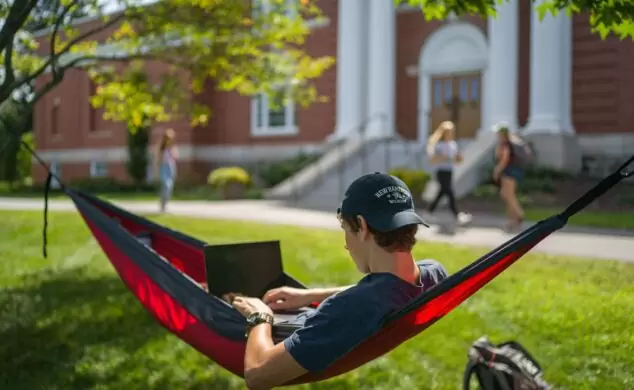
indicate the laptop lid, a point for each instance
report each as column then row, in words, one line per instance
column 250, row 268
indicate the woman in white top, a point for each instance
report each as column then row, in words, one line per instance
column 166, row 159
column 443, row 152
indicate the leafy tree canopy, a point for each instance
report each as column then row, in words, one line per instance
column 226, row 42
column 606, row 16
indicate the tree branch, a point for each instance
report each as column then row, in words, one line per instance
column 18, row 14
column 125, row 58
column 53, row 57
column 9, row 74
column 58, row 23
column 46, row 88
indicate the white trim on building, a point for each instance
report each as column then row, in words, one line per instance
column 551, row 74
column 453, row 48
column 267, row 121
column 56, row 169
column 98, row 168
column 216, row 153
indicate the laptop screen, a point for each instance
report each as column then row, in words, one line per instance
column 250, row 268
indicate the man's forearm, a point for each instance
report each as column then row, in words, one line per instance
column 319, row 294
column 259, row 341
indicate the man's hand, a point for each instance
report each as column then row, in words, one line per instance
column 287, row 298
column 248, row 305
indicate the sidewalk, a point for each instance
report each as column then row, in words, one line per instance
column 483, row 232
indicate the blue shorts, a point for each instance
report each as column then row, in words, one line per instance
column 514, row 173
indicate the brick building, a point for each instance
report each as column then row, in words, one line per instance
column 400, row 74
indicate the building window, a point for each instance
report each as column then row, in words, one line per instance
column 464, row 90
column 55, row 116
column 56, row 170
column 92, row 111
column 269, row 118
column 448, row 91
column 475, row 90
column 98, row 169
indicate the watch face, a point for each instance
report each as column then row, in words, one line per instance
column 256, row 318
column 251, row 320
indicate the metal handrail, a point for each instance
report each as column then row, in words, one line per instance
column 357, row 134
column 335, row 145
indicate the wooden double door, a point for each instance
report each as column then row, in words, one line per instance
column 457, row 97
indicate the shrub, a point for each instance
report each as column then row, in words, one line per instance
column 416, row 180
column 274, row 173
column 220, row 177
column 24, row 157
column 626, row 199
column 138, row 157
column 547, row 173
column 486, row 191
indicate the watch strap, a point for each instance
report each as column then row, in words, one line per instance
column 257, row 319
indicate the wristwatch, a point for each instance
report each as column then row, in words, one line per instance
column 257, row 319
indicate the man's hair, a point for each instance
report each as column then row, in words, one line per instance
column 399, row 240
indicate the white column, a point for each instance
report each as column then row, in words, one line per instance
column 548, row 77
column 566, row 36
column 350, row 61
column 382, row 66
column 501, row 76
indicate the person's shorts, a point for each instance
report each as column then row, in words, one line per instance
column 514, row 173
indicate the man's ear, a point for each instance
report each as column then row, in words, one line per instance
column 364, row 231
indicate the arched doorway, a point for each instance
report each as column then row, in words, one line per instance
column 452, row 64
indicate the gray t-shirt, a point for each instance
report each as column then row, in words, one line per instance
column 446, row 149
column 346, row 319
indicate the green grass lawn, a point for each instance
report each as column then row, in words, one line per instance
column 67, row 322
column 191, row 193
column 589, row 218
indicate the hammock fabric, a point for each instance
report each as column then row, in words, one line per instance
column 165, row 277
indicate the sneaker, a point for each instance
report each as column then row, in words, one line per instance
column 514, row 226
column 464, row 218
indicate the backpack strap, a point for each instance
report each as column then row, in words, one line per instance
column 489, row 377
column 468, row 373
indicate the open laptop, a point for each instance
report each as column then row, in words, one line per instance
column 250, row 268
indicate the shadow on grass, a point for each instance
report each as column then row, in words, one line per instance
column 66, row 330
column 69, row 331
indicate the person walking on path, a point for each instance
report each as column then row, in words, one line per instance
column 508, row 173
column 166, row 156
column 443, row 152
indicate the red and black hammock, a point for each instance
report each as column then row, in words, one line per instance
column 165, row 277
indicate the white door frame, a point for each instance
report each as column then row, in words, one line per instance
column 453, row 48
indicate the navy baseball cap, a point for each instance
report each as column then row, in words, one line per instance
column 383, row 200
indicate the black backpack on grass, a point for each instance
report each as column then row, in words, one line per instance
column 506, row 366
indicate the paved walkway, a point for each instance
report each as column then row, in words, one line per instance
column 595, row 243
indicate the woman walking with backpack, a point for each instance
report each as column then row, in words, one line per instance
column 443, row 152
column 508, row 172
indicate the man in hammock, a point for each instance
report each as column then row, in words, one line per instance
column 380, row 224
